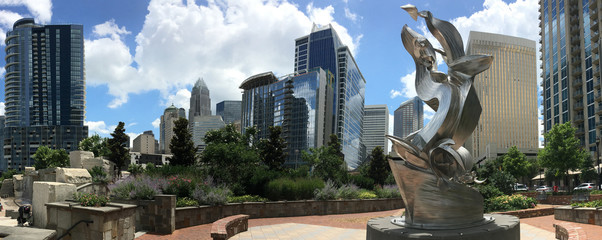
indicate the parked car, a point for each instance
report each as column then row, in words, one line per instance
column 585, row 186
column 543, row 188
column 520, row 187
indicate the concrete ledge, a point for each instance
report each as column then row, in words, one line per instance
column 227, row 227
column 579, row 215
column 21, row 233
column 566, row 231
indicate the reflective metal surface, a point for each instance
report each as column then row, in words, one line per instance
column 434, row 166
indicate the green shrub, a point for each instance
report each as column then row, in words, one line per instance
column 135, row 169
column 507, row 203
column 98, row 175
column 246, row 198
column 390, row 180
column 212, row 195
column 8, row 174
column 186, row 202
column 179, row 186
column 362, row 181
column 592, row 192
column 328, row 192
column 262, row 176
column 387, row 191
column 292, row 189
column 142, row 187
column 348, row 191
column 365, row 194
column 90, row 199
column 592, row 204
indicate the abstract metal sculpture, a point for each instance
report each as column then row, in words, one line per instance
column 434, row 167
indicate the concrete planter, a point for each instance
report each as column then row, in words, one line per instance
column 114, row 221
column 579, row 215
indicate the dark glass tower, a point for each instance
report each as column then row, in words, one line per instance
column 44, row 90
column 200, row 102
column 229, row 110
column 409, row 117
column 322, row 48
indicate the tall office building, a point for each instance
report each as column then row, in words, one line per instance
column 44, row 90
column 229, row 110
column 145, row 143
column 376, row 125
column 200, row 102
column 408, row 117
column 200, row 125
column 570, row 54
column 322, row 48
column 300, row 104
column 508, row 95
column 170, row 115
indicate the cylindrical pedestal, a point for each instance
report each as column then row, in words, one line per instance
column 504, row 227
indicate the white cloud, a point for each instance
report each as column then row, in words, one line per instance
column 181, row 99
column 349, row 15
column 391, row 124
column 428, row 112
column 408, row 88
column 224, row 42
column 132, row 136
column 40, row 9
column 99, row 127
column 7, row 19
column 2, row 108
column 156, row 123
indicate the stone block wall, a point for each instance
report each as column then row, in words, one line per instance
column 114, row 221
column 48, row 192
column 7, row 189
column 579, row 215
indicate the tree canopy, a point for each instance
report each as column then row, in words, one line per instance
column 327, row 161
column 181, row 144
column 96, row 144
column 46, row 157
column 563, row 152
column 117, row 145
column 272, row 150
column 378, row 168
column 515, row 163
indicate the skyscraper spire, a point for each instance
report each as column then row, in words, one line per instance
column 200, row 102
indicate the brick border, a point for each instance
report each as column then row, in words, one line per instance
column 568, row 231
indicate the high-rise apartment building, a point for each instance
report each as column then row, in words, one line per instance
column 301, row 104
column 200, row 125
column 508, row 95
column 570, row 54
column 200, row 102
column 322, row 48
column 170, row 115
column 408, row 117
column 44, row 90
column 376, row 126
column 229, row 110
column 145, row 143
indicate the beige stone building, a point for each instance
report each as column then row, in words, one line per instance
column 508, row 96
column 145, row 143
column 170, row 115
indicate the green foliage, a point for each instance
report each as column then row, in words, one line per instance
column 96, row 144
column 367, row 195
column 591, row 204
column 348, row 191
column 563, row 152
column 150, row 167
column 489, row 191
column 260, row 178
column 387, row 191
column 588, row 173
column 246, row 198
column 230, row 158
column 299, row 172
column 50, row 158
column 179, row 186
column 515, row 163
column 138, row 188
column 362, row 181
column 592, row 192
column 503, row 181
column 212, row 195
column 390, row 179
column 135, row 169
column 292, row 189
column 328, row 192
column 272, row 150
column 8, row 174
column 117, row 145
column 181, row 145
column 507, row 203
column 98, row 175
column 186, row 202
column 379, row 168
column 90, row 199
column 327, row 161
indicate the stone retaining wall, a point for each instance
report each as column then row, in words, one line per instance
column 529, row 213
column 579, row 215
column 559, row 199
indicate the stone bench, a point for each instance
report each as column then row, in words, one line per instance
column 227, row 227
column 567, row 231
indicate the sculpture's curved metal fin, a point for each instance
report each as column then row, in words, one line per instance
column 411, row 9
column 471, row 65
column 447, row 35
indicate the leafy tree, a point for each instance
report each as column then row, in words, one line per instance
column 230, row 157
column 96, row 144
column 119, row 153
column 272, row 150
column 379, row 168
column 135, row 169
column 515, row 163
column 181, row 145
column 98, row 174
column 327, row 161
column 588, row 173
column 563, row 152
column 46, row 157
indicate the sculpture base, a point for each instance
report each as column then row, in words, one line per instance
column 504, row 227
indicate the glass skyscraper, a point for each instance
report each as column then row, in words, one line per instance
column 229, row 110
column 376, row 126
column 200, row 101
column 300, row 104
column 44, row 90
column 570, row 42
column 322, row 48
column 408, row 117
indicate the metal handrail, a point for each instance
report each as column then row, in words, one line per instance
column 74, row 225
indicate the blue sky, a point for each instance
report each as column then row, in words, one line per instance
column 142, row 56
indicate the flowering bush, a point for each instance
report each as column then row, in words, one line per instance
column 506, row 203
column 212, row 195
column 365, row 194
column 186, row 202
column 91, row 200
column 142, row 187
column 179, row 186
column 596, row 203
column 387, row 191
column 328, row 192
column 348, row 191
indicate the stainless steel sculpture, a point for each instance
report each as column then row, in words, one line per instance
column 434, row 167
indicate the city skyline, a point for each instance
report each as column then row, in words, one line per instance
column 124, row 32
